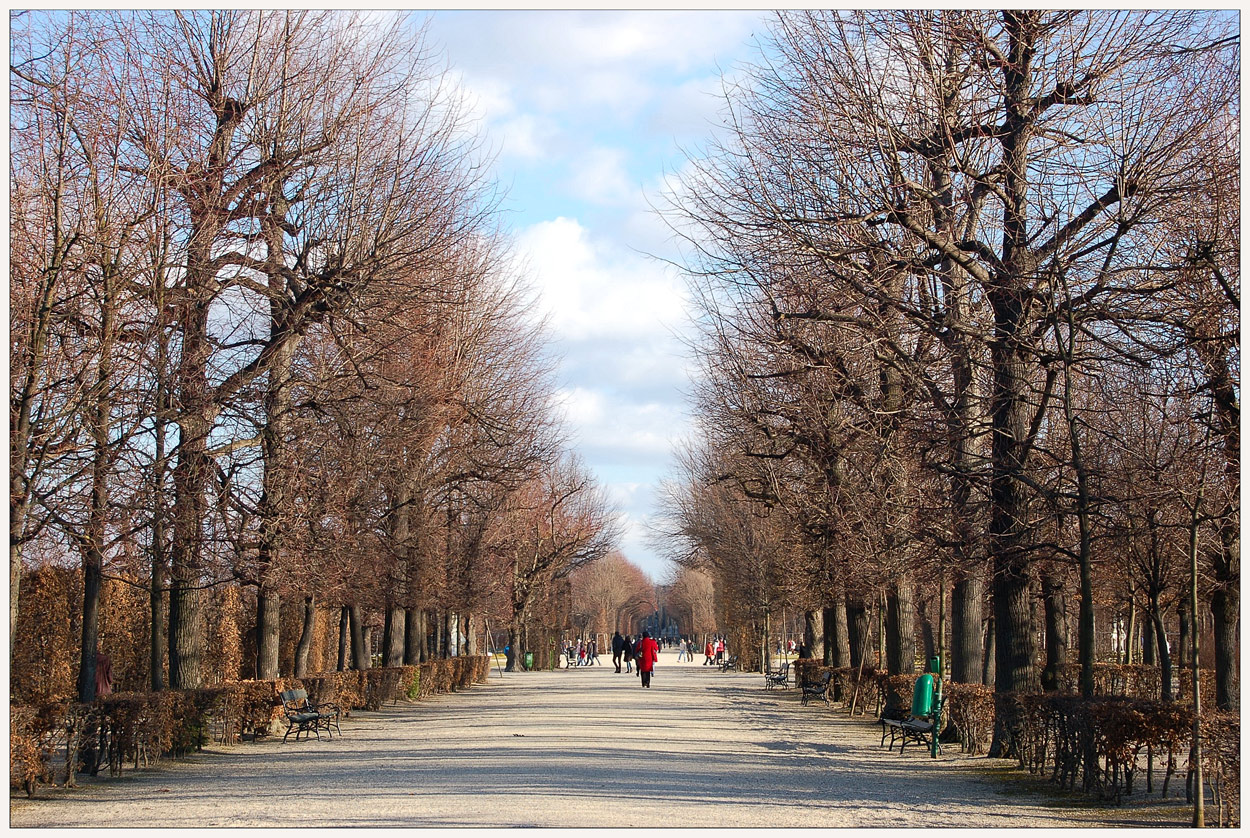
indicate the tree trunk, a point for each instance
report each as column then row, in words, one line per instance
column 191, row 475
column 344, row 631
column 988, row 676
column 1131, row 635
column 393, row 635
column 414, row 636
column 1183, row 641
column 15, row 571
column 510, row 651
column 156, row 637
column 1225, row 611
column 814, row 634
column 1013, row 388
column 1148, row 656
column 470, row 634
column 359, row 648
column 858, row 630
column 309, row 629
column 92, row 572
column 268, row 610
column 928, row 634
column 1161, row 644
column 837, row 645
column 1015, row 648
column 1055, row 603
column 1015, row 652
column 440, row 634
column 900, row 627
column 967, row 662
column 186, row 635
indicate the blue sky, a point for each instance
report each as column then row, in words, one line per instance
column 588, row 113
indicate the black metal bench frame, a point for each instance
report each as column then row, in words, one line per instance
column 304, row 716
column 818, row 688
column 777, row 677
column 729, row 663
column 909, row 728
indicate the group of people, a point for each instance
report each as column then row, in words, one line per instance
column 641, row 653
column 714, row 651
column 583, row 653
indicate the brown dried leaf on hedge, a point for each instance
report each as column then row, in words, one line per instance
column 970, row 708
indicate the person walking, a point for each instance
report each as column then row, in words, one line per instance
column 720, row 650
column 628, row 653
column 592, row 656
column 618, row 649
column 708, row 651
column 648, row 653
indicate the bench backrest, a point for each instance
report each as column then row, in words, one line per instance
column 295, row 699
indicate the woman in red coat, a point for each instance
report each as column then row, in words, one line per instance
column 648, row 653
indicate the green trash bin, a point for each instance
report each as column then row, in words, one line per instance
column 529, row 660
column 922, row 696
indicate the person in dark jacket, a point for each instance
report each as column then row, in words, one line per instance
column 648, row 653
column 628, row 653
column 618, row 649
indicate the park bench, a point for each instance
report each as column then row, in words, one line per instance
column 903, row 727
column 303, row 716
column 777, row 677
column 817, row 687
column 729, row 663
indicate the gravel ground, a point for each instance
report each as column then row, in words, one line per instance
column 583, row 748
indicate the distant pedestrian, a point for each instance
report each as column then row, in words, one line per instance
column 628, row 653
column 709, row 649
column 618, row 649
column 720, row 650
column 648, row 654
column 592, row 655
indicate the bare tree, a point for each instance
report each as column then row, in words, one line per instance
column 984, row 155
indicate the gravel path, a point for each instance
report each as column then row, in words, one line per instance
column 585, row 747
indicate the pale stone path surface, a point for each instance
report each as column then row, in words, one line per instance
column 580, row 748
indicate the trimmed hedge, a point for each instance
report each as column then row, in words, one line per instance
column 1088, row 744
column 139, row 728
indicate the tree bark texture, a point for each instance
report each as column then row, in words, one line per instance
column 1225, row 611
column 307, row 631
column 414, row 638
column 344, row 634
column 274, row 482
column 814, row 634
column 967, row 663
column 268, row 611
column 900, row 627
column 393, row 635
column 359, row 648
column 1183, row 641
column 837, row 644
column 470, row 634
column 989, row 664
column 1165, row 657
column 858, row 630
column 1055, row 603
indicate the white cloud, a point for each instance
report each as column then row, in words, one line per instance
column 592, row 289
column 566, row 60
column 600, row 177
column 527, row 137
